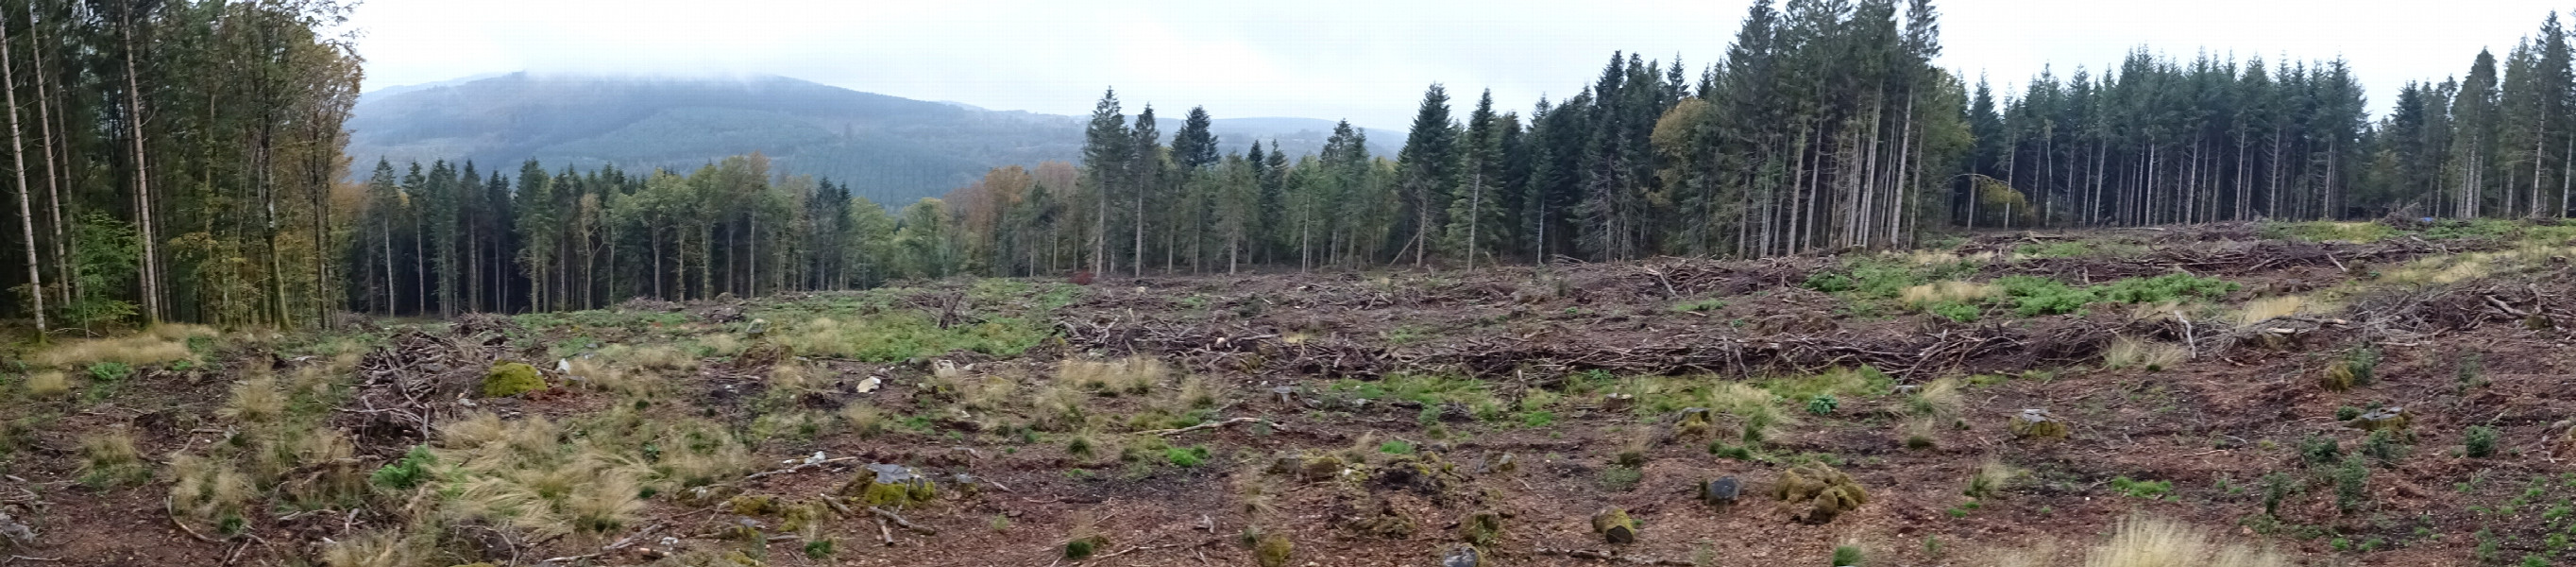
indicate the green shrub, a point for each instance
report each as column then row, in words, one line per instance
column 1847, row 556
column 819, row 549
column 1956, row 311
column 2352, row 484
column 1621, row 478
column 2317, row 450
column 2031, row 296
column 2148, row 489
column 2384, row 447
column 2472, row 228
column 1186, row 457
column 110, row 371
column 2277, row 488
column 2168, row 287
column 1396, row 447
column 2481, row 441
column 408, row 472
column 1823, row 405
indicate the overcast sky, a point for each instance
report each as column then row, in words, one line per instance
column 1365, row 60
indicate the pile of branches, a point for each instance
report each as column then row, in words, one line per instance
column 2235, row 259
column 1242, row 348
column 407, row 386
column 1911, row 355
column 2469, row 306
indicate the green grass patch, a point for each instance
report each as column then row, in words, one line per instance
column 2320, row 231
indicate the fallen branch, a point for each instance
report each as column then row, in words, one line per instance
column 633, row 539
column 1217, row 424
column 766, row 474
column 1137, row 549
column 885, row 533
column 569, row 558
column 1610, row 556
column 898, row 520
column 173, row 512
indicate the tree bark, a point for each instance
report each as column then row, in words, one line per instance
column 26, row 212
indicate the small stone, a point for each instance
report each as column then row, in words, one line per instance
column 2391, row 418
column 870, row 384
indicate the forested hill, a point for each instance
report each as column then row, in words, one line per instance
column 889, row 149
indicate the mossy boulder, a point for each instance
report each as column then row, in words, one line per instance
column 1824, row 493
column 1696, row 423
column 1615, row 526
column 1321, row 468
column 1387, row 523
column 511, row 379
column 2391, row 419
column 890, row 485
column 753, row 505
column 2038, row 424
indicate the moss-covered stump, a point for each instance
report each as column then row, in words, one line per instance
column 890, row 485
column 1320, row 468
column 1696, row 423
column 2038, row 424
column 1481, row 528
column 1273, row 551
column 1082, row 547
column 1824, row 492
column 511, row 379
column 1615, row 526
column 2390, row 419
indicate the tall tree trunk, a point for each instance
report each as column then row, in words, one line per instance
column 26, row 212
column 151, row 265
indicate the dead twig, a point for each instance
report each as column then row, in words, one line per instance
column 1217, row 424
column 898, row 520
column 173, row 512
column 1609, row 556
column 771, row 473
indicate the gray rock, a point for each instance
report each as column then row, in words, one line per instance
column 1721, row 492
column 1463, row 556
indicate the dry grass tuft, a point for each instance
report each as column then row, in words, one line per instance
column 863, row 419
column 255, row 401
column 2265, row 309
column 1753, row 408
column 723, row 344
column 140, row 349
column 2153, row 356
column 209, row 492
column 109, row 459
column 1952, row 291
column 2149, row 542
column 1993, row 477
column 47, row 384
column 1135, row 375
column 380, row 549
column 1940, row 399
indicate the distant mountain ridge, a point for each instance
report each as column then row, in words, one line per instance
column 889, row 149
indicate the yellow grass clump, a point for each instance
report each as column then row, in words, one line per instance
column 2150, row 542
column 208, row 491
column 255, row 401
column 1133, row 375
column 1939, row 399
column 2266, row 309
column 380, row 549
column 160, row 344
column 2126, row 353
column 1952, row 291
column 47, row 384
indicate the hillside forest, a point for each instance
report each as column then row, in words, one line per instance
column 182, row 161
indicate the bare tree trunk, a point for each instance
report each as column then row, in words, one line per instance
column 26, row 212
column 151, row 272
column 63, row 245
